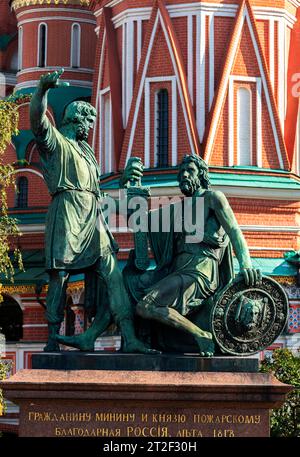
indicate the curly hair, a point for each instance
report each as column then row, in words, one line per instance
column 202, row 168
column 77, row 111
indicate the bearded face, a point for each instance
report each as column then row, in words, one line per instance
column 189, row 181
column 82, row 132
column 83, row 127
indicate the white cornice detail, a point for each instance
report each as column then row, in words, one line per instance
column 55, row 10
column 40, row 228
column 295, row 3
column 110, row 4
column 28, row 170
column 270, row 228
column 266, row 13
column 53, row 68
column 9, row 78
column 186, row 9
column 230, row 191
column 73, row 82
column 32, row 228
column 59, row 18
column 34, row 325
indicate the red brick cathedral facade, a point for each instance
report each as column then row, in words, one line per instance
column 167, row 77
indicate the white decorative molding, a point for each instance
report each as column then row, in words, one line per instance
column 73, row 82
column 259, row 122
column 35, row 11
column 200, row 73
column 8, row 78
column 75, row 59
column 34, row 325
column 269, row 13
column 190, row 50
column 124, row 75
column 54, row 68
column 129, row 66
column 20, row 48
column 39, row 44
column 31, row 228
column 28, row 170
column 101, row 66
column 105, row 155
column 270, row 228
column 110, row 4
column 211, row 60
column 230, row 122
column 241, row 122
column 272, row 51
column 60, row 19
column 243, row 192
column 281, row 72
column 139, row 30
column 186, row 9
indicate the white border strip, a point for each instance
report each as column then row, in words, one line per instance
column 272, row 51
column 211, row 60
column 129, row 66
column 200, row 72
column 190, row 51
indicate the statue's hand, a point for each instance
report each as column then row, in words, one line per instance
column 133, row 173
column 52, row 81
column 252, row 277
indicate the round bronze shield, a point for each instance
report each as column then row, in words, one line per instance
column 246, row 320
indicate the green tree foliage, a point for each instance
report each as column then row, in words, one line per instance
column 285, row 365
column 8, row 226
column 4, row 368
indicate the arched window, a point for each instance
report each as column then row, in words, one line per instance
column 11, row 319
column 244, row 127
column 75, row 46
column 162, row 128
column 42, row 45
column 22, row 193
column 20, row 49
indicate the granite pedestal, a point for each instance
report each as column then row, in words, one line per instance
column 211, row 400
column 77, row 360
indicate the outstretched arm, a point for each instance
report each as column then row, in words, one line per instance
column 228, row 221
column 38, row 105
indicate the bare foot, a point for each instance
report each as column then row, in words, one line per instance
column 206, row 345
column 77, row 341
column 52, row 346
column 137, row 346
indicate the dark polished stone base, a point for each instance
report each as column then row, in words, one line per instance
column 77, row 360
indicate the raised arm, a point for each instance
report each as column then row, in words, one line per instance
column 38, row 105
column 228, row 221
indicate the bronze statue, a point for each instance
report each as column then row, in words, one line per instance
column 191, row 300
column 187, row 274
column 185, row 290
column 77, row 238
